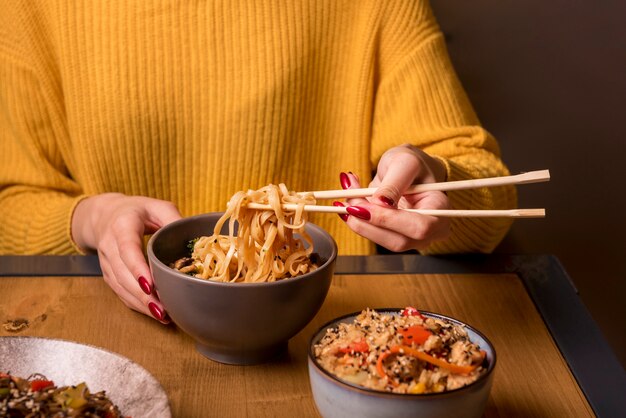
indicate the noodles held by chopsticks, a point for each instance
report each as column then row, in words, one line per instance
column 265, row 248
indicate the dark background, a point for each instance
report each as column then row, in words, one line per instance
column 548, row 79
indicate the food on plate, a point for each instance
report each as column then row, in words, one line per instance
column 268, row 245
column 36, row 396
column 409, row 353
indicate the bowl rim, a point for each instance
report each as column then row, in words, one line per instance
column 373, row 392
column 152, row 257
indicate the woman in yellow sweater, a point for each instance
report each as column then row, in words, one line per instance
column 118, row 117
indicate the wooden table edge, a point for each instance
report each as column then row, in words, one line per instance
column 594, row 365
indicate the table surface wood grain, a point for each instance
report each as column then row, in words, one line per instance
column 532, row 378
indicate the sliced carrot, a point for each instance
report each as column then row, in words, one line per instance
column 454, row 368
column 403, row 349
column 415, row 334
column 381, row 369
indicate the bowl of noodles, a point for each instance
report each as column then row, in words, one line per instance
column 243, row 282
column 400, row 362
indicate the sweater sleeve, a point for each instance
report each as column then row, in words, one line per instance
column 419, row 100
column 37, row 192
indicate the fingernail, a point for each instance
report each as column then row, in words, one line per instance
column 387, row 201
column 359, row 212
column 156, row 311
column 343, row 216
column 145, row 286
column 344, row 180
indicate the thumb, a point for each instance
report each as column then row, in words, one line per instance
column 400, row 173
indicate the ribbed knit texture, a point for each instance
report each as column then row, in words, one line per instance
column 193, row 101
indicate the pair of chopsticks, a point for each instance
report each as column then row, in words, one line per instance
column 524, row 178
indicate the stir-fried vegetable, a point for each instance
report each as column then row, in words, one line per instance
column 39, row 397
column 403, row 349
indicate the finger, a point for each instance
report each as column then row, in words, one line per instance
column 400, row 174
column 426, row 200
column 354, row 183
column 128, row 234
column 110, row 277
column 416, row 227
column 390, row 240
column 148, row 302
column 125, row 296
column 344, row 180
column 126, row 287
column 343, row 216
column 138, row 300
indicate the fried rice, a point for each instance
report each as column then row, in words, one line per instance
column 407, row 353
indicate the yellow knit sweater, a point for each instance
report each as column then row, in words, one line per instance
column 192, row 101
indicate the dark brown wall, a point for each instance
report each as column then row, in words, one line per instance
column 548, row 79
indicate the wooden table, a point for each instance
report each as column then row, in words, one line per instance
column 543, row 336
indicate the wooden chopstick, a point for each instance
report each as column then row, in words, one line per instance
column 449, row 213
column 524, row 178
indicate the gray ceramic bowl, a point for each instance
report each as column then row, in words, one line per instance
column 237, row 323
column 335, row 398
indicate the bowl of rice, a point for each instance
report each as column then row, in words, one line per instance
column 400, row 362
column 238, row 321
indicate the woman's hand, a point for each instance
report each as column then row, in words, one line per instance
column 378, row 218
column 114, row 225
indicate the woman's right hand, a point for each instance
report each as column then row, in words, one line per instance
column 114, row 224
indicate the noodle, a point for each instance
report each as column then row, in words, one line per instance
column 265, row 248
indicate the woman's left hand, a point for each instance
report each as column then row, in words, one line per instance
column 378, row 218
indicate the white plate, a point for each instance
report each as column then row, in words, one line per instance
column 137, row 393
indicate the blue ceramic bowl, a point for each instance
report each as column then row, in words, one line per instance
column 335, row 398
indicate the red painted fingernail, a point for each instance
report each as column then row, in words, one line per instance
column 359, row 212
column 156, row 311
column 387, row 201
column 344, row 180
column 145, row 286
column 343, row 216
